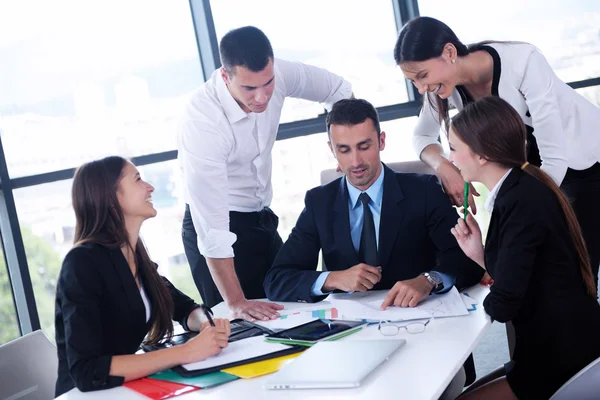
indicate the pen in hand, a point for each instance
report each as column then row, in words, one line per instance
column 466, row 201
column 208, row 312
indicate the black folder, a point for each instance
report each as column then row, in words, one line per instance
column 240, row 329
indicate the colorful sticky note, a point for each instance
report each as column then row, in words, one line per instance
column 157, row 389
column 260, row 368
column 202, row 381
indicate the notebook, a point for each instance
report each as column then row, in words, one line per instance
column 339, row 364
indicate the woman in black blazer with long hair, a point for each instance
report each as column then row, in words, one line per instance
column 534, row 251
column 110, row 297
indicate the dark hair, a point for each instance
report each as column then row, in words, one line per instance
column 247, row 47
column 493, row 129
column 424, row 38
column 352, row 112
column 99, row 219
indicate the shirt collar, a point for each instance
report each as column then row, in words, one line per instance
column 232, row 109
column 491, row 199
column 375, row 191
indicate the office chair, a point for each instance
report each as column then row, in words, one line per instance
column 28, row 368
column 416, row 166
column 585, row 385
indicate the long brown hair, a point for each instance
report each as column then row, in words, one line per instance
column 493, row 129
column 99, row 219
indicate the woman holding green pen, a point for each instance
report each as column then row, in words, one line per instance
column 535, row 252
column 562, row 126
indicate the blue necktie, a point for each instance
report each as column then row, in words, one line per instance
column 367, row 251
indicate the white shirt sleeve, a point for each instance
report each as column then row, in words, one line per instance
column 312, row 83
column 427, row 130
column 203, row 155
column 537, row 87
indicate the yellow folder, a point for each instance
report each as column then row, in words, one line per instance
column 260, row 368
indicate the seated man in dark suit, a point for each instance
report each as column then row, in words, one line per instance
column 401, row 241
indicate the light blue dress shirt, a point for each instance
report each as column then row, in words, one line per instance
column 375, row 192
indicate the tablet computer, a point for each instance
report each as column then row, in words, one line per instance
column 315, row 331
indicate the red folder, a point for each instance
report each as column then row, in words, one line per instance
column 158, row 390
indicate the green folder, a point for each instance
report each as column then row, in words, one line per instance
column 202, row 381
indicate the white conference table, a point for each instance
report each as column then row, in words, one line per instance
column 420, row 370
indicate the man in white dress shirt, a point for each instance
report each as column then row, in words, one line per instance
column 225, row 142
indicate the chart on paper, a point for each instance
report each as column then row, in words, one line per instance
column 298, row 316
column 322, row 313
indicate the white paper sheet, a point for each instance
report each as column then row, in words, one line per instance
column 367, row 306
column 299, row 314
column 449, row 304
column 237, row 351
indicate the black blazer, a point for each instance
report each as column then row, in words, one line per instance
column 414, row 237
column 538, row 286
column 100, row 313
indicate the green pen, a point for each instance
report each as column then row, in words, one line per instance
column 466, row 201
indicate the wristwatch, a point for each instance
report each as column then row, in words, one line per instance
column 435, row 279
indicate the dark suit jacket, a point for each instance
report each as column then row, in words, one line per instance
column 99, row 314
column 538, row 286
column 414, row 237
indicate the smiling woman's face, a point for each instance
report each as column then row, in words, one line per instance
column 436, row 75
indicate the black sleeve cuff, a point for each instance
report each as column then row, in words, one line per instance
column 184, row 320
column 100, row 378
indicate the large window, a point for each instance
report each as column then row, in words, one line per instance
column 47, row 228
column 8, row 315
column 592, row 94
column 80, row 80
column 351, row 38
column 565, row 31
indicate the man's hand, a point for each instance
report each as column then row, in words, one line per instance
column 359, row 278
column 408, row 293
column 253, row 310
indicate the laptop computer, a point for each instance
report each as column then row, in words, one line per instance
column 339, row 364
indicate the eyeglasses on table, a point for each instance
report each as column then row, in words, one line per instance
column 388, row 328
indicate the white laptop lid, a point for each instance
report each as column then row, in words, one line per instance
column 337, row 364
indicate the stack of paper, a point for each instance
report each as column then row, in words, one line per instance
column 237, row 351
column 367, row 306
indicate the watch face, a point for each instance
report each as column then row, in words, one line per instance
column 436, row 278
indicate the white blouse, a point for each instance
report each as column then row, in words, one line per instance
column 146, row 302
column 566, row 126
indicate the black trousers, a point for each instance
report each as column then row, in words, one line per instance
column 583, row 190
column 255, row 249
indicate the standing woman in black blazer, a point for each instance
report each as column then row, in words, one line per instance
column 109, row 296
column 562, row 126
column 534, row 251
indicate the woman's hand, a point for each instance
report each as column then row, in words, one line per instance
column 209, row 342
column 454, row 185
column 468, row 236
column 487, row 280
